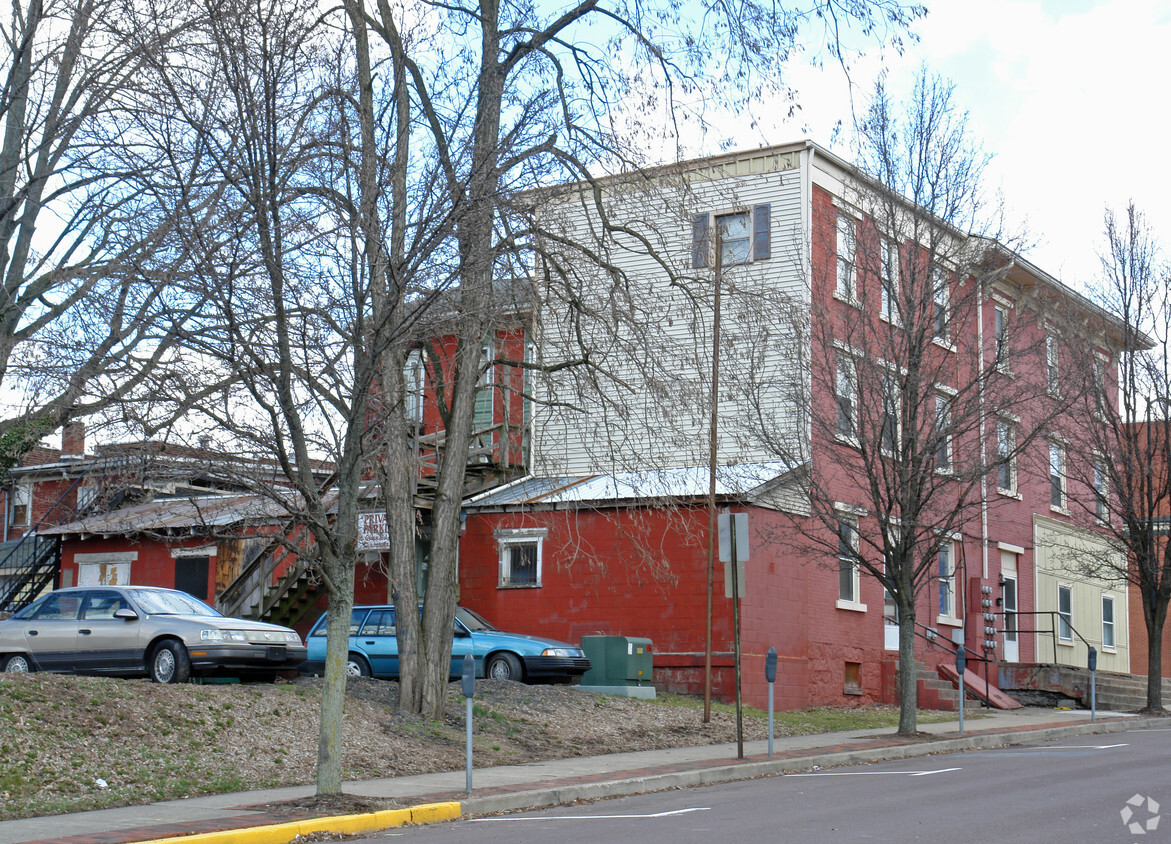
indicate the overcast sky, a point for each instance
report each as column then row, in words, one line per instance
column 1068, row 95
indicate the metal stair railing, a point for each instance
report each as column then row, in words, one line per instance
column 40, row 568
column 35, row 560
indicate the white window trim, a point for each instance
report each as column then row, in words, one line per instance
column 1052, row 365
column 944, row 341
column 954, row 619
column 1101, row 495
column 1106, row 596
column 841, row 357
column 949, row 443
column 892, row 312
column 1061, row 640
column 505, row 539
column 1015, row 490
column 21, row 495
column 850, row 514
column 849, row 296
column 713, row 217
column 1003, row 362
column 1063, row 474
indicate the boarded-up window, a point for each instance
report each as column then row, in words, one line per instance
column 191, row 576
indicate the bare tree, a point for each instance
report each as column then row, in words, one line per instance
column 1125, row 448
column 517, row 100
column 906, row 394
column 87, row 250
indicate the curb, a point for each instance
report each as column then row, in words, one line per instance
column 282, row 833
column 541, row 798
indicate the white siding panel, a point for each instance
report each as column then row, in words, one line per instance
column 647, row 331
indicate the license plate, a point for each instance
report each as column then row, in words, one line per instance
column 276, row 653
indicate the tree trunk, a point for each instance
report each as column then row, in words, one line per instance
column 908, row 672
column 1156, row 617
column 330, row 748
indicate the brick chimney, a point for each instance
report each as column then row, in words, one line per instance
column 73, row 440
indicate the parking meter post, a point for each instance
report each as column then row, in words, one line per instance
column 468, row 686
column 770, row 674
column 1093, row 665
column 961, row 667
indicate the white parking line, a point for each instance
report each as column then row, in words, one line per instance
column 596, row 817
column 875, row 773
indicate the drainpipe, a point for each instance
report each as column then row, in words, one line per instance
column 983, row 420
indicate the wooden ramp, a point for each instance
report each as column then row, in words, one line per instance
column 975, row 686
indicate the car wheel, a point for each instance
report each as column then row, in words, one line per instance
column 356, row 666
column 169, row 663
column 17, row 664
column 503, row 667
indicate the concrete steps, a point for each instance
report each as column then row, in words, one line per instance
column 1038, row 682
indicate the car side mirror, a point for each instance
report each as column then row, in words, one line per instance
column 126, row 614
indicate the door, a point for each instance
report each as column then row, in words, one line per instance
column 51, row 635
column 106, row 644
column 378, row 640
column 1011, row 644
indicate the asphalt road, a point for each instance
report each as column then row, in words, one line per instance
column 1075, row 790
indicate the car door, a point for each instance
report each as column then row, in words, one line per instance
column 378, row 641
column 105, row 644
column 51, row 634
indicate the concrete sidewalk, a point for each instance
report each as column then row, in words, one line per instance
column 540, row 784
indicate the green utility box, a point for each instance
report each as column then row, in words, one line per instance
column 619, row 665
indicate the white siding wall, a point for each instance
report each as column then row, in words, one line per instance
column 1062, row 556
column 645, row 400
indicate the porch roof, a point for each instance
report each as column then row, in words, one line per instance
column 689, row 482
column 174, row 514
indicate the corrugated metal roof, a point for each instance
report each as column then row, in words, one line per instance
column 175, row 513
column 687, row 482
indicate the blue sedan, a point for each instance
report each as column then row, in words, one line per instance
column 373, row 650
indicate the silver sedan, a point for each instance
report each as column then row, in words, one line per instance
column 142, row 630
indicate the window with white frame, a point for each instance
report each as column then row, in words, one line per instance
column 847, row 397
column 735, row 238
column 890, row 413
column 1100, row 397
column 485, row 409
column 1056, row 475
column 1064, row 612
column 1108, row 638
column 1006, row 456
column 1052, row 369
column 889, row 279
column 847, row 286
column 744, row 236
column 945, row 571
column 21, row 508
column 413, row 381
column 520, row 557
column 1000, row 336
column 942, row 433
column 849, row 580
column 1101, row 490
column 939, row 304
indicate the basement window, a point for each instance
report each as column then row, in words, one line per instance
column 853, row 678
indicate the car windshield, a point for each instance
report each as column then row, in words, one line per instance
column 163, row 602
column 470, row 620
